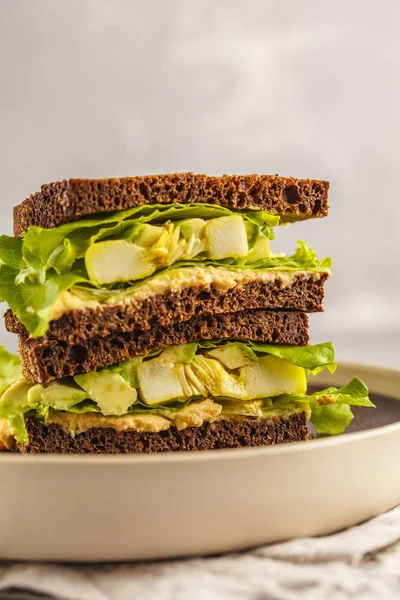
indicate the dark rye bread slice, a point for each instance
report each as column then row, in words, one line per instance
column 72, row 199
column 70, row 352
column 234, row 433
column 305, row 294
column 77, row 327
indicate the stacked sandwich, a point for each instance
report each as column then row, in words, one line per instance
column 152, row 315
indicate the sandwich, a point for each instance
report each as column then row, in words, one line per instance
column 153, row 315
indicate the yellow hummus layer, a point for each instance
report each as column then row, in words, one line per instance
column 176, row 280
column 6, row 435
column 194, row 414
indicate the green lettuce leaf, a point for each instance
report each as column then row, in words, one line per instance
column 58, row 248
column 10, row 367
column 355, row 393
column 32, row 302
column 304, row 258
column 330, row 408
column 331, row 419
column 31, row 295
column 312, row 358
column 307, row 258
column 17, row 423
column 11, row 252
column 37, row 269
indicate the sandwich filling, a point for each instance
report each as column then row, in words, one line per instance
column 174, row 280
column 182, row 386
column 134, row 251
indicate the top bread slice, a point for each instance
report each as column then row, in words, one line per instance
column 72, row 199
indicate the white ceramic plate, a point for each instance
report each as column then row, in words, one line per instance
column 94, row 508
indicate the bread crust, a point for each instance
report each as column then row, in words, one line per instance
column 69, row 352
column 72, row 199
column 304, row 294
column 126, row 326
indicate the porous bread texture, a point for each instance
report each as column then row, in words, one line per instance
column 112, row 323
column 225, row 433
column 304, row 294
column 72, row 199
column 67, row 352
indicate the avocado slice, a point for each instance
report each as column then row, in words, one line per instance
column 249, row 408
column 191, row 227
column 253, row 232
column 57, row 394
column 16, row 396
column 260, row 251
column 226, row 237
column 234, row 355
column 14, row 405
column 182, row 353
column 111, row 392
column 117, row 260
column 128, row 370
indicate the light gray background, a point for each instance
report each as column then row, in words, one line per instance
column 94, row 88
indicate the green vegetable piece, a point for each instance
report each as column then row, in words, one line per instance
column 148, row 235
column 11, row 252
column 313, row 357
column 159, row 381
column 10, row 367
column 60, row 395
column 191, row 227
column 271, row 376
column 208, row 377
column 117, row 260
column 260, row 251
column 355, row 393
column 252, row 232
column 331, row 419
column 16, row 396
column 128, row 370
column 226, row 237
column 13, row 406
column 32, row 302
column 223, row 383
column 182, row 353
column 111, row 392
column 233, row 356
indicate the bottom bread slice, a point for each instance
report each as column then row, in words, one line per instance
column 224, row 433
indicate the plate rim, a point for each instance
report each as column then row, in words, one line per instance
column 222, row 454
